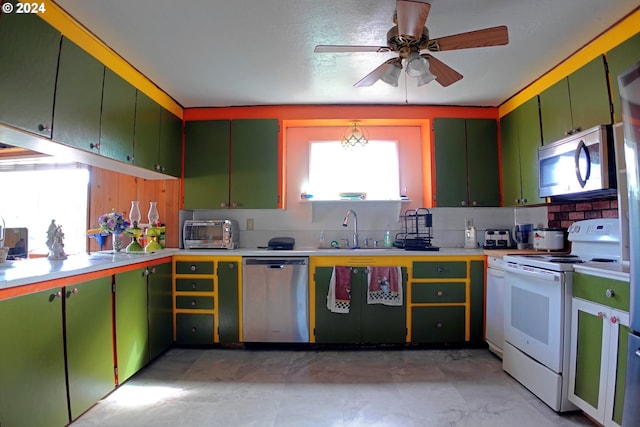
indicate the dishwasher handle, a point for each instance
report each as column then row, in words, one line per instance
column 275, row 263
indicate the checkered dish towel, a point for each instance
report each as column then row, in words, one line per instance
column 339, row 295
column 385, row 286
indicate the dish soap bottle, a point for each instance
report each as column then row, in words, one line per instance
column 387, row 239
column 470, row 239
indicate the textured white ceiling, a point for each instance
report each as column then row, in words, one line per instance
column 207, row 53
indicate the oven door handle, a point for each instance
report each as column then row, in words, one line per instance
column 538, row 273
column 582, row 148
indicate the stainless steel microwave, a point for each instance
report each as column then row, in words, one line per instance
column 210, row 234
column 578, row 166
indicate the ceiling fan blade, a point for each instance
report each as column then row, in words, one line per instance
column 323, row 48
column 411, row 17
column 494, row 36
column 445, row 75
column 374, row 76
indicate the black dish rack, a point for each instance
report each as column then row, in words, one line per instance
column 417, row 231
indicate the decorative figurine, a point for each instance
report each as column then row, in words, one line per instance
column 55, row 238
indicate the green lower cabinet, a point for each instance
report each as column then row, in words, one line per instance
column 160, row 309
column 598, row 360
column 194, row 329
column 365, row 323
column 89, row 343
column 33, row 390
column 228, row 302
column 132, row 327
column 439, row 324
column 476, row 321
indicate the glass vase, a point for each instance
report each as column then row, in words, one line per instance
column 153, row 214
column 117, row 242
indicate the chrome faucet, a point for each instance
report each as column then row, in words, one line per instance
column 345, row 223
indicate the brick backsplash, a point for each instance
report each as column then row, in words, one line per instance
column 565, row 214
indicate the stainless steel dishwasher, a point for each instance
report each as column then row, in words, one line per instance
column 275, row 299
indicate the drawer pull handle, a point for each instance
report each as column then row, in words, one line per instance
column 614, row 319
column 193, row 267
column 439, row 325
column 232, row 266
column 601, row 315
column 610, row 293
column 439, row 293
column 194, row 285
column 194, row 329
column 193, row 303
column 440, row 270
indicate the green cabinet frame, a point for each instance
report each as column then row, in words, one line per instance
column 28, row 90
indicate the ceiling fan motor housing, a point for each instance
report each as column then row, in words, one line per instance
column 406, row 45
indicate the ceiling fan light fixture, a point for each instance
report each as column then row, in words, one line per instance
column 425, row 78
column 416, row 65
column 354, row 135
column 392, row 73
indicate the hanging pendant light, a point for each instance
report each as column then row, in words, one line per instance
column 354, row 135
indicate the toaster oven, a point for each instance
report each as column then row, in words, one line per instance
column 210, row 234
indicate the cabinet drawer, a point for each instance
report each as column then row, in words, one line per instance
column 429, row 270
column 437, row 324
column 194, row 328
column 438, row 292
column 195, row 303
column 194, row 285
column 197, row 267
column 595, row 288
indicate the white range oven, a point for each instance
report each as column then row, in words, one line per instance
column 537, row 312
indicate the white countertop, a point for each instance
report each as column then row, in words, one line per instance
column 25, row 272
column 617, row 271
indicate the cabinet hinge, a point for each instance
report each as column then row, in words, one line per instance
column 113, row 288
column 115, row 371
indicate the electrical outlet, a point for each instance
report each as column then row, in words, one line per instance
column 249, row 223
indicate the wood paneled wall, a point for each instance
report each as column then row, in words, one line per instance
column 111, row 190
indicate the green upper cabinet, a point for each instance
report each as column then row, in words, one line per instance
column 254, row 164
column 118, row 114
column 89, row 343
column 619, row 60
column 577, row 102
column 170, row 150
column 466, row 156
column 231, row 164
column 147, row 132
column 206, row 164
column 466, row 162
column 132, row 326
column 33, row 388
column 28, row 90
column 520, row 139
column 78, row 104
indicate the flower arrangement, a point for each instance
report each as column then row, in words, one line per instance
column 113, row 222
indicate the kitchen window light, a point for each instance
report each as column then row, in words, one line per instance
column 373, row 169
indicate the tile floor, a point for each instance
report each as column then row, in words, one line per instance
column 356, row 387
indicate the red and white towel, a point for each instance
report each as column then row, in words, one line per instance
column 339, row 295
column 385, row 286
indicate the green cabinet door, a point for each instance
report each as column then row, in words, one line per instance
column 206, row 164
column 336, row 328
column 160, row 309
column 33, row 389
column 619, row 60
column 89, row 343
column 228, row 302
column 132, row 328
column 147, row 132
column 170, row 152
column 365, row 323
column 78, row 104
column 450, row 162
column 476, row 322
column 510, row 151
column 118, row 116
column 589, row 92
column 555, row 111
column 254, row 164
column 482, row 162
column 28, row 90
column 530, row 139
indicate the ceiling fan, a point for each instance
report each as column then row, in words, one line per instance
column 409, row 37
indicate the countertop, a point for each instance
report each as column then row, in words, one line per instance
column 38, row 270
